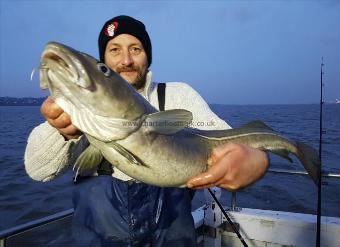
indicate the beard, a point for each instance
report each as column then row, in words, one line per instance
column 139, row 81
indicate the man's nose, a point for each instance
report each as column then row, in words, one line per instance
column 127, row 59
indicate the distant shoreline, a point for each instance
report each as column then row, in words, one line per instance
column 26, row 101
column 31, row 101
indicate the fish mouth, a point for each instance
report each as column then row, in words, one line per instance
column 59, row 66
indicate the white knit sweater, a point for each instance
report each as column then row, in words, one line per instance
column 48, row 155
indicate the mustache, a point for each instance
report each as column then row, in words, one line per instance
column 127, row 69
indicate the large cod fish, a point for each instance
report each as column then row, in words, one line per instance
column 154, row 147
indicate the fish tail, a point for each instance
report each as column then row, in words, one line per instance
column 309, row 158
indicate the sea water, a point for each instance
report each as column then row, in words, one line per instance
column 23, row 199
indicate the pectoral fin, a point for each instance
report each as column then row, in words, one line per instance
column 127, row 154
column 88, row 160
column 168, row 122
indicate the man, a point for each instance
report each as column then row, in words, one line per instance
column 115, row 210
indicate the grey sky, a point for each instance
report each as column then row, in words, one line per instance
column 232, row 52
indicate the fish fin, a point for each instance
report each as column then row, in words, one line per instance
column 257, row 124
column 309, row 158
column 168, row 122
column 88, row 160
column 127, row 154
column 282, row 153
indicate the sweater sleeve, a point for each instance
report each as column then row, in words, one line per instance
column 181, row 95
column 48, row 155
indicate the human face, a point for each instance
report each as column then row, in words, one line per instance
column 126, row 56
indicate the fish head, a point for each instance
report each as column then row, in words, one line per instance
column 77, row 79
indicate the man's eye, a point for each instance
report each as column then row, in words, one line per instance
column 115, row 50
column 135, row 50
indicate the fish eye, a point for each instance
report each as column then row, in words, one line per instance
column 103, row 68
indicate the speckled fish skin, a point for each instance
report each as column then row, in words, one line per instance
column 117, row 122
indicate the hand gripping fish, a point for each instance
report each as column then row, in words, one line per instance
column 154, row 147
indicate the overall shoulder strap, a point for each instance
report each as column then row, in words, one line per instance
column 161, row 103
column 161, row 95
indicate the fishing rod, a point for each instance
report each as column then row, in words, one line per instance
column 318, row 225
column 228, row 219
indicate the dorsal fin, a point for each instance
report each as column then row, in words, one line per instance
column 168, row 122
column 257, row 124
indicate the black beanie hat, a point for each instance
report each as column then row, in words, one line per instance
column 120, row 25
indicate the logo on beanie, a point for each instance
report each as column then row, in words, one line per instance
column 111, row 28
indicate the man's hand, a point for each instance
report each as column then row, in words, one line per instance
column 232, row 167
column 59, row 119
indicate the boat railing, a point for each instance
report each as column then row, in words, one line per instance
column 28, row 234
column 299, row 172
column 325, row 174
